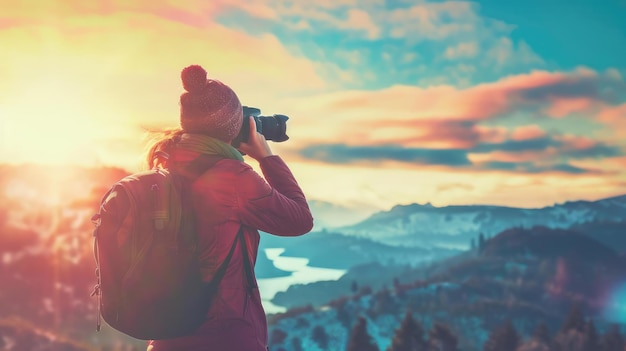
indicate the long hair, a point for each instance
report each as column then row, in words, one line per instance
column 162, row 146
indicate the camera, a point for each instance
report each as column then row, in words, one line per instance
column 273, row 128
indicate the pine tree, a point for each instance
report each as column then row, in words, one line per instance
column 359, row 339
column 612, row 340
column 539, row 340
column 354, row 287
column 409, row 336
column 574, row 319
column 590, row 337
column 481, row 242
column 320, row 337
column 296, row 344
column 343, row 316
column 503, row 338
column 382, row 303
column 440, row 338
column 541, row 333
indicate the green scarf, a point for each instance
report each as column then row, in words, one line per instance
column 207, row 145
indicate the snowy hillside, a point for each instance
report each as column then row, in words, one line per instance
column 456, row 226
column 521, row 275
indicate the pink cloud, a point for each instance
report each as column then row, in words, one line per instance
column 504, row 156
column 618, row 161
column 433, row 133
column 527, row 132
column 615, row 118
column 613, row 114
column 492, row 134
column 574, row 142
column 536, row 79
column 450, row 117
column 560, row 107
column 439, row 102
column 480, row 102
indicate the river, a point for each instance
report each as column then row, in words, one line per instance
column 301, row 273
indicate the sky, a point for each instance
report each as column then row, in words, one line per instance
column 516, row 103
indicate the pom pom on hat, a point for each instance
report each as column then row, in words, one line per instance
column 209, row 106
column 194, row 78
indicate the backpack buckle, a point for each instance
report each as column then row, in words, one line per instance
column 95, row 219
column 96, row 290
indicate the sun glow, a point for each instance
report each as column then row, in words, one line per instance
column 47, row 120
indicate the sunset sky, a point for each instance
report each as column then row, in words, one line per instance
column 519, row 103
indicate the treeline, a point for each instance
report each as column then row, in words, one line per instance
column 576, row 333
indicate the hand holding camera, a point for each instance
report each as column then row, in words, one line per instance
column 254, row 134
column 256, row 146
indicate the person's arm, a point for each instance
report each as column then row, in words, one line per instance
column 277, row 206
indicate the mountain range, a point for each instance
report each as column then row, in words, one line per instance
column 418, row 225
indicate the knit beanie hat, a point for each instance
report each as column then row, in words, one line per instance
column 209, row 106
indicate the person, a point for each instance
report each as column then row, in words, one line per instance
column 227, row 193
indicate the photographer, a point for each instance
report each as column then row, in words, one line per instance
column 226, row 194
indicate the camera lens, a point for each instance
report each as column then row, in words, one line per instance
column 273, row 128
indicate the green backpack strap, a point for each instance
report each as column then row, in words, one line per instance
column 166, row 209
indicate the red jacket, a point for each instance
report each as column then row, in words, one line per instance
column 226, row 196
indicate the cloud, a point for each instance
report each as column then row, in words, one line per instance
column 444, row 33
column 614, row 116
column 497, row 126
column 561, row 107
column 582, row 83
column 434, row 21
column 345, row 154
column 451, row 158
column 459, row 117
column 461, row 50
column 531, row 168
column 535, row 152
column 504, row 52
column 373, row 18
column 493, row 99
column 360, row 20
column 537, row 144
column 553, row 146
column 585, row 148
column 526, row 132
column 429, row 133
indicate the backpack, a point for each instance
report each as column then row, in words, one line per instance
column 149, row 284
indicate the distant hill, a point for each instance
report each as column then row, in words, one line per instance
column 543, row 242
column 610, row 233
column 456, row 226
